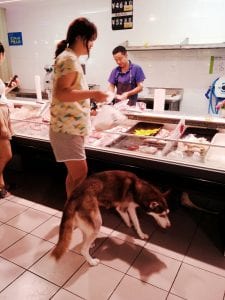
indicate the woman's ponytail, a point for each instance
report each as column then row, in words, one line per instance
column 61, row 46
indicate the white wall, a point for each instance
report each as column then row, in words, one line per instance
column 187, row 69
column 44, row 22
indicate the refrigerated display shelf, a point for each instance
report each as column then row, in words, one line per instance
column 31, row 130
column 105, row 148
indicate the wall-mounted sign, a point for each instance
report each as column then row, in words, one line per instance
column 122, row 14
column 15, row 38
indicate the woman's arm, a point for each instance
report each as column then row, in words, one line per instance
column 65, row 92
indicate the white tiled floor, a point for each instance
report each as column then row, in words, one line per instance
column 184, row 262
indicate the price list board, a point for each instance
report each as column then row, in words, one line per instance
column 122, row 14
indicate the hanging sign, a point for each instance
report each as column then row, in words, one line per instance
column 122, row 14
column 15, row 38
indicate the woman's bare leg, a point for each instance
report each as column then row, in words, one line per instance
column 77, row 172
column 5, row 156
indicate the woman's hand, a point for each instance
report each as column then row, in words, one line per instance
column 220, row 104
column 99, row 96
column 13, row 83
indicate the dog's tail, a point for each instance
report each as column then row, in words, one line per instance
column 65, row 233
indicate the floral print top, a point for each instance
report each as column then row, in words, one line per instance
column 70, row 117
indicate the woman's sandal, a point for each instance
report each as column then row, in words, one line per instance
column 3, row 192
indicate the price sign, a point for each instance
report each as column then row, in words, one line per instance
column 122, row 14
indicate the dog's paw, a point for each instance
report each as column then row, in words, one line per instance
column 143, row 236
column 94, row 262
column 57, row 252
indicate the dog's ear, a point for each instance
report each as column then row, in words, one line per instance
column 138, row 185
column 153, row 204
column 166, row 194
column 156, row 207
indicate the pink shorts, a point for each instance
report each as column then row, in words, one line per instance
column 67, row 147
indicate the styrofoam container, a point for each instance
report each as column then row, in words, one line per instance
column 217, row 154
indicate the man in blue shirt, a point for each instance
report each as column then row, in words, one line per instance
column 127, row 78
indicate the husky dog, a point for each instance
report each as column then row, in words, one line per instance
column 119, row 189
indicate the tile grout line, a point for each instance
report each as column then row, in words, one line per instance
column 182, row 261
column 126, row 273
column 13, row 280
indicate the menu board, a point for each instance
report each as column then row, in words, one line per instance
column 122, row 14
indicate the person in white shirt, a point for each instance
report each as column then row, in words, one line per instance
column 5, row 128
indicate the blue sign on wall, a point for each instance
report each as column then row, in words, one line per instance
column 15, row 38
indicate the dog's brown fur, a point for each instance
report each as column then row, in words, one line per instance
column 119, row 189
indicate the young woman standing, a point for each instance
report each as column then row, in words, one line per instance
column 70, row 107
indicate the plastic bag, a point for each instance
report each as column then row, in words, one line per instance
column 107, row 118
column 175, row 134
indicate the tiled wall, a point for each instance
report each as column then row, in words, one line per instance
column 187, row 69
column 42, row 23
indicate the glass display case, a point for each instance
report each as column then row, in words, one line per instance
column 187, row 145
